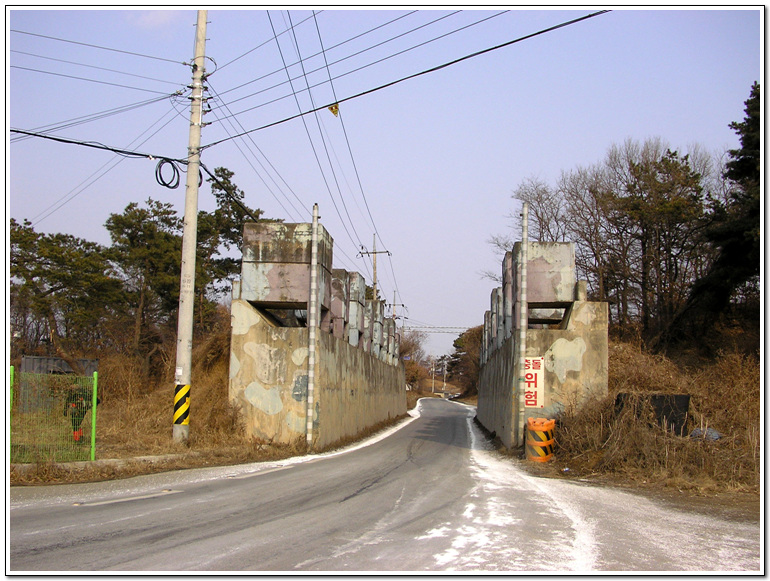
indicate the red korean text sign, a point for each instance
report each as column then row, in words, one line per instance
column 534, row 382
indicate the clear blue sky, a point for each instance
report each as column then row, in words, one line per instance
column 437, row 156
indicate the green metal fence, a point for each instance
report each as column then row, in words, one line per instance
column 53, row 417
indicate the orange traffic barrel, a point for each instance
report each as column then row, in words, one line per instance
column 540, row 439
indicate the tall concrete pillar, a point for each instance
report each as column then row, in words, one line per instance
column 387, row 340
column 368, row 317
column 396, row 345
column 356, row 303
column 493, row 321
column 377, row 317
column 339, row 303
column 497, row 307
column 508, row 299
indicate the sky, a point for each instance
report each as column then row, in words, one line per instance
column 427, row 165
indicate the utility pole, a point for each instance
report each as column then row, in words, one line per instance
column 395, row 304
column 432, row 376
column 312, row 324
column 374, row 266
column 443, row 388
column 523, row 321
column 183, row 372
column 374, row 252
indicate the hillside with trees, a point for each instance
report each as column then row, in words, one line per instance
column 670, row 240
column 72, row 298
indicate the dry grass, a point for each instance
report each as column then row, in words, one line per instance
column 595, row 438
column 135, row 419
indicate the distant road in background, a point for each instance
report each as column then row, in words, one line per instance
column 429, row 496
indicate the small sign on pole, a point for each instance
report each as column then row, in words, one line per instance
column 534, row 392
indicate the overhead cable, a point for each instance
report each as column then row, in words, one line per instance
column 95, row 67
column 344, row 130
column 311, row 56
column 100, row 47
column 254, row 144
column 413, row 76
column 85, row 184
column 323, row 141
column 307, row 131
column 255, row 48
column 83, row 119
column 89, row 80
column 228, row 194
column 97, row 145
column 356, row 54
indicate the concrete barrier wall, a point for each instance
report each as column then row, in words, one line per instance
column 354, row 391
column 497, row 407
column 358, row 379
column 268, row 382
column 575, row 368
column 568, row 332
column 268, row 375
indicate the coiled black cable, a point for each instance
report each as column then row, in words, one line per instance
column 171, row 184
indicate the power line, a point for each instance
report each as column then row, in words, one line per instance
column 74, row 192
column 415, row 75
column 342, row 123
column 350, row 149
column 353, row 55
column 89, row 80
column 307, row 131
column 309, row 57
column 320, row 132
column 97, row 145
column 252, row 50
column 83, row 119
column 95, row 67
column 99, row 47
column 263, row 167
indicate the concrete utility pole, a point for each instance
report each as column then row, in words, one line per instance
column 312, row 323
column 183, row 370
column 374, row 263
column 374, row 266
column 523, row 320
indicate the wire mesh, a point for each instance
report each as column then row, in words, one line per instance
column 53, row 418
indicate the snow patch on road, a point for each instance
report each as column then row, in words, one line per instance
column 513, row 523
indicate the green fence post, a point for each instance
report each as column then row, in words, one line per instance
column 93, row 419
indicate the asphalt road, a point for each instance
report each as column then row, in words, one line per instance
column 425, row 496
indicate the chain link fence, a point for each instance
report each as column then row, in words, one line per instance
column 53, row 417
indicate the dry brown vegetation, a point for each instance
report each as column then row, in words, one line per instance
column 597, row 439
column 135, row 421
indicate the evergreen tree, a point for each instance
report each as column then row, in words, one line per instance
column 734, row 231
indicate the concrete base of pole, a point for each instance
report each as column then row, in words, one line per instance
column 181, row 433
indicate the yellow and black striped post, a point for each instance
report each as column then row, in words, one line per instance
column 540, row 439
column 181, row 405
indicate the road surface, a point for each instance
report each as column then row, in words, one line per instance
column 428, row 495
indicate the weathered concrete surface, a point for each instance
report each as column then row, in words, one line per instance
column 275, row 271
column 339, row 303
column 550, row 272
column 497, row 406
column 356, row 303
column 268, row 381
column 354, row 391
column 268, row 374
column 575, row 354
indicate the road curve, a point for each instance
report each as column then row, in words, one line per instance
column 426, row 496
